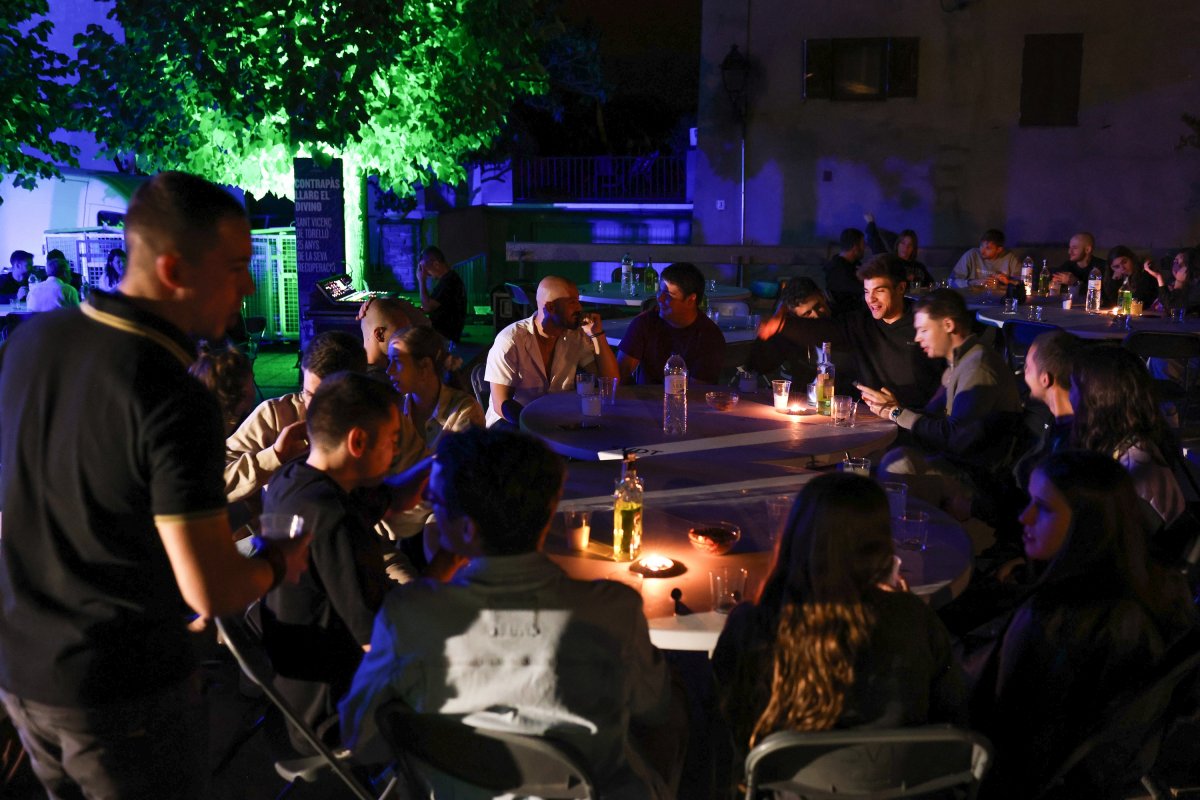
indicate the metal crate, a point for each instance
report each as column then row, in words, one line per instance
column 273, row 267
column 86, row 248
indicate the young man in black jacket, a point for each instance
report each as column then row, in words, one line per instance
column 880, row 336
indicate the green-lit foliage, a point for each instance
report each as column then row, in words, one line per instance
column 36, row 100
column 234, row 89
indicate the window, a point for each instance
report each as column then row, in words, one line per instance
column 1051, row 68
column 860, row 69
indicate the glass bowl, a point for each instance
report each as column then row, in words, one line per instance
column 715, row 538
column 721, row 401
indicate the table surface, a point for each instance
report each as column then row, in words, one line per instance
column 735, row 329
column 634, row 423
column 610, row 293
column 1085, row 325
column 937, row 574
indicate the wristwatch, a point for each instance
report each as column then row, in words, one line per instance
column 895, row 414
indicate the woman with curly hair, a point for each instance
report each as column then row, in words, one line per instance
column 229, row 375
column 1117, row 414
column 1096, row 624
column 829, row 643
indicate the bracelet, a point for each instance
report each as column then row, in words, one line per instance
column 596, row 336
column 895, row 415
column 262, row 550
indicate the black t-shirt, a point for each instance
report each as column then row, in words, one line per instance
column 314, row 630
column 450, row 316
column 9, row 284
column 103, row 433
column 842, row 285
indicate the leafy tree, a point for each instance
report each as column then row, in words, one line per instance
column 234, row 89
column 32, row 82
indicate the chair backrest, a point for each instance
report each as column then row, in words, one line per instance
column 1018, row 336
column 879, row 764
column 479, row 386
column 1150, row 344
column 1125, row 743
column 500, row 762
column 247, row 648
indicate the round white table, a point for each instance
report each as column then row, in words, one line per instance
column 634, row 424
column 608, row 293
column 1084, row 325
column 938, row 573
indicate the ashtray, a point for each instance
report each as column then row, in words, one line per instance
column 715, row 539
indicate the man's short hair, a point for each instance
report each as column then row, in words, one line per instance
column 506, row 482
column 396, row 312
column 20, row 256
column 850, row 238
column 687, row 277
column 884, row 265
column 57, row 267
column 433, row 252
column 181, row 211
column 945, row 304
column 56, row 255
column 344, row 401
column 334, row 351
column 1055, row 356
column 994, row 236
column 1088, row 239
column 797, row 291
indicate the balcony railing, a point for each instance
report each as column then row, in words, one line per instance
column 600, row 179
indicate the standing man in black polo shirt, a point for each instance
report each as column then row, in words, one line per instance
column 446, row 303
column 114, row 519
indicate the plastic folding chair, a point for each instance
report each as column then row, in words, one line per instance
column 247, row 648
column 1123, row 745
column 877, row 764
column 1018, row 336
column 500, row 762
column 1181, row 348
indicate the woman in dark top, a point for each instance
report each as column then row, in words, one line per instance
column 903, row 245
column 1124, row 264
column 1097, row 622
column 1183, row 288
column 830, row 644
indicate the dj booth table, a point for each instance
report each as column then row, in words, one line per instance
column 333, row 306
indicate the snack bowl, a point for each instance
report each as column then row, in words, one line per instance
column 721, row 401
column 715, row 538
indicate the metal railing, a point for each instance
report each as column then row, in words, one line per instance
column 600, row 179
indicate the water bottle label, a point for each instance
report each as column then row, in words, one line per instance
column 675, row 384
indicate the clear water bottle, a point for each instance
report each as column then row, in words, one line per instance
column 1027, row 275
column 1093, row 291
column 626, row 275
column 675, row 378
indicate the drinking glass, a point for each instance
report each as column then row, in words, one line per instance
column 915, row 525
column 857, row 466
column 753, row 321
column 897, row 495
column 590, row 404
column 579, row 528
column 1178, row 314
column 778, row 509
column 782, row 391
column 608, row 391
column 280, row 526
column 1010, row 305
column 585, row 383
column 843, row 411
column 728, row 587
